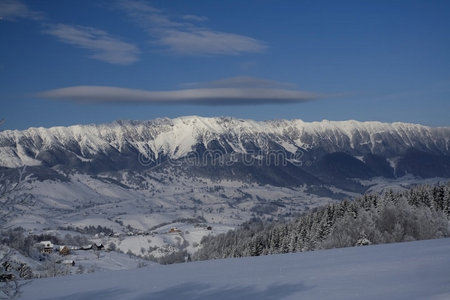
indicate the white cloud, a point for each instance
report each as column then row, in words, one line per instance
column 185, row 38
column 11, row 10
column 103, row 46
column 210, row 95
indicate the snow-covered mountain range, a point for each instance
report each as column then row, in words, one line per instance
column 305, row 152
column 177, row 137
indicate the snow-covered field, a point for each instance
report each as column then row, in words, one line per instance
column 415, row 270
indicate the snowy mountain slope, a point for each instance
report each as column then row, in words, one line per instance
column 279, row 153
column 175, row 138
column 415, row 270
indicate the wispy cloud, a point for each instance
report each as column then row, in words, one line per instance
column 205, row 41
column 103, row 46
column 194, row 18
column 180, row 35
column 12, row 10
column 183, row 36
column 220, row 94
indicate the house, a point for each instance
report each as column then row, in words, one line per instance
column 47, row 247
column 98, row 246
column 363, row 242
column 64, row 250
column 174, row 229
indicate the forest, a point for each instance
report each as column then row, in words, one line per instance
column 418, row 213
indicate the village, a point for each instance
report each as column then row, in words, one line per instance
column 67, row 254
column 95, row 248
column 47, row 247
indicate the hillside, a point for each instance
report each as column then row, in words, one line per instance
column 413, row 270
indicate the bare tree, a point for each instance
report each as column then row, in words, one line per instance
column 9, row 286
column 10, row 198
column 54, row 266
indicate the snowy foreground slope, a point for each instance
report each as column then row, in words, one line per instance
column 415, row 270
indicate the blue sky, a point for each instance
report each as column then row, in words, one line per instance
column 78, row 62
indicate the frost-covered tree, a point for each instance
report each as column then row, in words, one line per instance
column 11, row 196
column 419, row 213
column 13, row 193
column 9, row 285
column 53, row 266
column 112, row 246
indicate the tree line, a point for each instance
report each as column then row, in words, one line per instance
column 421, row 212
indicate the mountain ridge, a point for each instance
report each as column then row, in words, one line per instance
column 177, row 137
